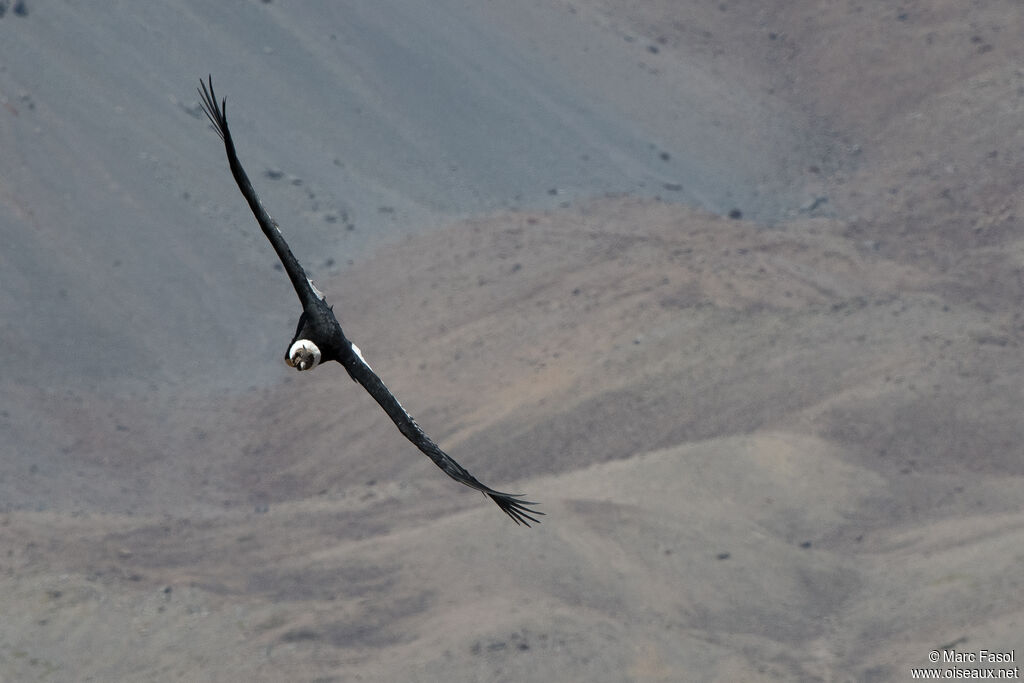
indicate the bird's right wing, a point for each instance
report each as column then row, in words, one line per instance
column 217, row 113
column 361, row 372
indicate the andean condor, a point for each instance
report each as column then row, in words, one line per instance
column 318, row 337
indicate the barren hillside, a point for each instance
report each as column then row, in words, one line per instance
column 782, row 445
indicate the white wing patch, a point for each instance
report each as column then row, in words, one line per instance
column 359, row 354
column 319, row 294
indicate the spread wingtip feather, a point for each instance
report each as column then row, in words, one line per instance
column 519, row 510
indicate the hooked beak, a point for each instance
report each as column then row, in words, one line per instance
column 303, row 355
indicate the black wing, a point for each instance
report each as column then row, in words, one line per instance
column 361, row 372
column 217, row 113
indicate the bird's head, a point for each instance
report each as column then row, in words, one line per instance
column 303, row 355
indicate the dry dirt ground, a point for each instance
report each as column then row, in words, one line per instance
column 766, row 451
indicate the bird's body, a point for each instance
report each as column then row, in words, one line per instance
column 319, row 337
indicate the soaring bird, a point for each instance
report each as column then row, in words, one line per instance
column 319, row 338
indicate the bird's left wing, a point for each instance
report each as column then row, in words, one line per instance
column 217, row 113
column 357, row 367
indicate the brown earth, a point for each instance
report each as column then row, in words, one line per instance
column 766, row 452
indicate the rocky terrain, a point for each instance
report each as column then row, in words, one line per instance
column 732, row 289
